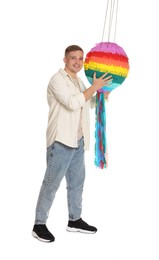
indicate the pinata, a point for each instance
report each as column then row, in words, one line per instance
column 111, row 58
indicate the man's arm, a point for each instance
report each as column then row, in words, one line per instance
column 98, row 83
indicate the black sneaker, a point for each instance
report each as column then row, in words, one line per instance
column 80, row 226
column 42, row 233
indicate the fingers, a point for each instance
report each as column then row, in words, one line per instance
column 106, row 95
column 103, row 80
column 94, row 75
column 108, row 79
column 103, row 76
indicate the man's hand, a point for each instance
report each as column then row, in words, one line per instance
column 106, row 95
column 97, row 84
column 102, row 81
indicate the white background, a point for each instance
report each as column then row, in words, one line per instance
column 122, row 201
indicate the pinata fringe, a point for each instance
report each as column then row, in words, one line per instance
column 100, row 132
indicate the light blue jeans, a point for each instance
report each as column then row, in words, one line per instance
column 62, row 161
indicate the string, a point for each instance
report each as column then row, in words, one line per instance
column 111, row 18
column 105, row 19
column 110, row 9
column 116, row 17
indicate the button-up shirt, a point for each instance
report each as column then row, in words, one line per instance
column 67, row 106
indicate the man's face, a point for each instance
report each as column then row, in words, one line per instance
column 74, row 61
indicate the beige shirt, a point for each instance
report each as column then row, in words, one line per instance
column 80, row 132
column 67, row 107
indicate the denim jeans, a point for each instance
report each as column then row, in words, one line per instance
column 62, row 161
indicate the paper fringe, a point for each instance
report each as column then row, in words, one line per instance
column 117, row 70
column 100, row 132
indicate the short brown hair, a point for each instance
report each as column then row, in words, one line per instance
column 73, row 48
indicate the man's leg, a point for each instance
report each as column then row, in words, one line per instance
column 75, row 177
column 59, row 157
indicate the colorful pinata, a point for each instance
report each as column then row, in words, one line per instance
column 111, row 58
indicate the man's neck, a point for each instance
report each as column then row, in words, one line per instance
column 73, row 75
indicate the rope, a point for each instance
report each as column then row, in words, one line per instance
column 111, row 18
column 111, row 6
column 116, row 17
column 105, row 19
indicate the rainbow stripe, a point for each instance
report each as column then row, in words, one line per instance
column 107, row 57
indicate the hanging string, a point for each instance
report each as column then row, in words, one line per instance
column 116, row 18
column 111, row 18
column 111, row 6
column 105, row 19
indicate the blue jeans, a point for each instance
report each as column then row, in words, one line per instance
column 62, row 161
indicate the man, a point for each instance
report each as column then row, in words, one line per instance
column 67, row 139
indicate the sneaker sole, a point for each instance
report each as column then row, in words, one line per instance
column 41, row 239
column 71, row 229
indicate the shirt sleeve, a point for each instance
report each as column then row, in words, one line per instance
column 59, row 88
column 93, row 101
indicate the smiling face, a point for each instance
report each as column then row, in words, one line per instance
column 73, row 62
